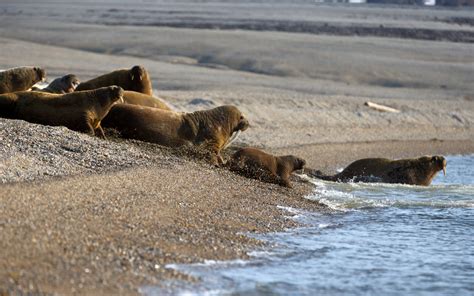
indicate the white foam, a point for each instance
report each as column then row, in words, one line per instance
column 261, row 254
column 352, row 196
column 208, row 263
column 289, row 209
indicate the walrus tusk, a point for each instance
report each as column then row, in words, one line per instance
column 444, row 170
column 232, row 138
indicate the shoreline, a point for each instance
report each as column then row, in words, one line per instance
column 114, row 232
column 80, row 215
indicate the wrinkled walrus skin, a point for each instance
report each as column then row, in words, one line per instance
column 134, row 79
column 61, row 85
column 20, row 79
column 136, row 98
column 256, row 164
column 209, row 129
column 79, row 111
column 416, row 171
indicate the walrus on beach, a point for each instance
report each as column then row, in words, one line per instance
column 136, row 98
column 20, row 79
column 7, row 105
column 61, row 85
column 417, row 171
column 79, row 111
column 135, row 79
column 256, row 164
column 212, row 130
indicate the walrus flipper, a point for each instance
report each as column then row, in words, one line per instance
column 320, row 175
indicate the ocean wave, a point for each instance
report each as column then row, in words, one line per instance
column 356, row 196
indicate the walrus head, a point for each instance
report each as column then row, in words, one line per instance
column 439, row 162
column 296, row 162
column 433, row 164
column 70, row 82
column 426, row 168
column 137, row 73
column 237, row 120
column 299, row 163
column 116, row 94
column 40, row 73
column 226, row 118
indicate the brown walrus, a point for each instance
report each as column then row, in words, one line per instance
column 136, row 98
column 20, row 79
column 61, row 85
column 7, row 105
column 211, row 129
column 135, row 79
column 254, row 163
column 417, row 171
column 80, row 111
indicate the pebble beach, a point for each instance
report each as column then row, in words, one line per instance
column 79, row 214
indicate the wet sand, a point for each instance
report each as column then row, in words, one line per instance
column 79, row 214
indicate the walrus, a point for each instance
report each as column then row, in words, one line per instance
column 212, row 130
column 136, row 98
column 20, row 79
column 7, row 105
column 80, row 111
column 61, row 85
column 256, row 164
column 135, row 79
column 417, row 171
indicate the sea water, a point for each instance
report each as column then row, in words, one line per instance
column 381, row 239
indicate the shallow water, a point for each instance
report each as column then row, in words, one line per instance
column 382, row 239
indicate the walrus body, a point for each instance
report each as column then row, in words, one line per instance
column 135, row 79
column 7, row 105
column 209, row 129
column 61, row 85
column 136, row 98
column 254, row 163
column 20, row 79
column 80, row 111
column 417, row 171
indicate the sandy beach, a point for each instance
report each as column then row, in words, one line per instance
column 83, row 215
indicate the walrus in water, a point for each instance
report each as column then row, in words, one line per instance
column 417, row 171
column 79, row 111
column 135, row 79
column 256, row 164
column 61, row 85
column 20, row 79
column 212, row 130
column 136, row 98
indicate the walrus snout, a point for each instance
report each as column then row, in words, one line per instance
column 41, row 73
column 71, row 81
column 117, row 93
column 137, row 71
column 443, row 164
column 243, row 124
column 440, row 162
column 301, row 163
